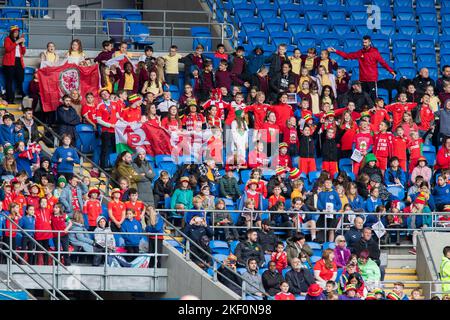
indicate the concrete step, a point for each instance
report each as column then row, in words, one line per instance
column 401, row 261
column 400, row 271
column 401, row 277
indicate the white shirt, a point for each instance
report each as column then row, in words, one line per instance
column 18, row 51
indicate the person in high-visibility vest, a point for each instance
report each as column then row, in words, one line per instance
column 445, row 270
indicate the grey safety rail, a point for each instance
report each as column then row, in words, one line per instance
column 7, row 282
column 167, row 23
column 9, row 255
column 54, row 259
column 177, row 230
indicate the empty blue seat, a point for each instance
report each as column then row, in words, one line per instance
column 426, row 51
column 241, row 15
column 352, row 43
column 398, row 193
column 309, row 2
column 345, row 164
column 336, row 13
column 132, row 16
column 426, row 59
column 406, row 27
column 313, row 176
column 219, row 247
column 403, row 3
column 251, row 27
column 85, row 140
column 291, row 14
column 380, row 41
column 400, row 50
column 401, row 41
column 342, row 29
column 306, row 41
column 425, row 4
column 358, row 13
column 424, row 41
column 427, row 17
column 319, row 27
column 297, row 28
column 328, row 245
column 354, row 3
column 406, row 71
column 403, row 58
column 445, row 59
column 429, row 28
column 257, row 38
column 329, row 40
column 267, row 14
column 329, row 3
column 313, row 13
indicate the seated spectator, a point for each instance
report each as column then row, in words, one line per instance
column 397, row 292
column 197, row 210
column 183, row 195
column 440, row 193
column 356, row 280
column 201, row 255
column 341, row 252
column 297, row 244
column 229, row 278
column 299, row 278
column 370, row 271
column 284, row 293
column 353, row 235
column 315, row 292
column 368, row 243
column 249, row 217
column 131, row 225
column 223, row 218
column 350, row 293
column 281, row 180
column 65, row 157
column 422, row 170
column 255, row 289
column 272, row 279
column 250, row 249
column 350, row 269
column 228, row 185
column 26, row 157
column 267, row 237
column 325, row 269
column 196, row 228
column 445, row 268
column 279, row 257
column 72, row 194
column 103, row 241
column 281, row 219
column 329, row 201
column 67, row 117
column 123, row 168
column 395, row 175
column 162, row 189
column 252, row 194
column 77, row 238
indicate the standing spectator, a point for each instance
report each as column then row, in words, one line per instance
column 61, row 223
column 116, row 210
column 77, row 238
column 50, row 54
column 92, row 208
column 72, row 196
column 280, row 81
column 272, row 279
column 171, row 66
column 163, row 188
column 422, row 81
column 103, row 240
column 360, row 98
column 229, row 278
column 255, row 60
column 154, row 224
column 43, row 223
column 28, row 223
column 65, row 157
column 276, row 60
column 131, row 225
column 31, row 132
column 13, row 64
column 445, row 270
column 144, row 169
column 250, row 249
column 193, row 59
column 183, row 195
column 299, row 278
column 368, row 58
column 279, row 257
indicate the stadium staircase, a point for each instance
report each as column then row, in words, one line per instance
column 401, row 267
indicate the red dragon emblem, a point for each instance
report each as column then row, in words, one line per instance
column 69, row 80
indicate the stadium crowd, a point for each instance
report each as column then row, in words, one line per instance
column 298, row 113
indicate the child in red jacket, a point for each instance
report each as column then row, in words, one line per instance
column 362, row 142
column 284, row 294
column 383, row 145
column 399, row 108
column 415, row 146
column 401, row 144
column 425, row 117
column 279, row 257
column 290, row 137
column 379, row 114
column 283, row 159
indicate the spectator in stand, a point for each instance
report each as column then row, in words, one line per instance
column 182, row 196
column 116, row 210
column 299, row 278
column 250, row 249
column 395, row 175
column 370, row 271
column 31, row 132
column 92, row 208
column 77, row 238
column 50, row 55
column 325, row 269
column 280, row 81
column 444, row 122
column 267, row 237
column 229, row 187
column 272, row 279
column 131, row 225
column 106, row 53
column 307, row 151
column 315, row 292
column 255, row 289
column 341, row 252
column 366, row 242
column 277, row 59
column 444, row 79
column 13, row 63
column 422, row 81
column 72, row 196
column 103, row 240
column 354, row 234
column 171, row 66
column 361, row 99
column 279, row 257
column 229, row 278
column 61, row 223
column 65, row 157
column 445, row 95
column 154, row 224
column 26, row 158
column 445, row 269
column 223, row 75
column 143, row 168
column 153, row 85
column 422, row 170
column 295, row 245
column 441, row 192
column 127, row 79
column 163, row 188
column 75, row 54
column 368, row 58
column 43, row 223
column 28, row 223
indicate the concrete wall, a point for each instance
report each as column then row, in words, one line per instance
column 185, row 277
column 425, row 270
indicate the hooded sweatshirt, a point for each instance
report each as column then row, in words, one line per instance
column 104, row 240
column 131, row 226
column 254, row 281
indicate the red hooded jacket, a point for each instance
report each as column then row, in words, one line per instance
column 9, row 57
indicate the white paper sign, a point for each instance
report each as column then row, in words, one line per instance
column 357, row 156
column 379, row 229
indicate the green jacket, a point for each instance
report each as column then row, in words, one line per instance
column 229, row 187
column 182, row 197
column 124, row 170
column 370, row 271
column 445, row 274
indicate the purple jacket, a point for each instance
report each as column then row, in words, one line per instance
column 341, row 256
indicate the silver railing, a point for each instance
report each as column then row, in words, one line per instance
column 166, row 27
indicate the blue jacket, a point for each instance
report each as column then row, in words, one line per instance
column 131, row 226
column 441, row 194
column 18, row 138
column 329, row 196
column 357, row 203
column 2, row 222
column 158, row 228
column 7, row 134
column 371, row 205
column 24, row 164
column 390, row 175
column 64, row 153
column 28, row 223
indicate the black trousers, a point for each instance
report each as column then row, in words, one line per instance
column 171, row 79
column 29, row 245
column 370, row 88
column 13, row 74
column 63, row 242
column 132, row 250
column 152, row 248
column 108, row 142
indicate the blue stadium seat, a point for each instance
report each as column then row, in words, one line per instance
column 316, row 248
column 426, row 59
column 111, row 15
column 426, row 51
column 267, row 14
column 278, row 38
column 251, row 27
column 358, row 13
column 257, row 38
column 425, row 4
column 313, row 176
column 427, row 17
column 342, row 28
column 381, row 42
column 429, row 152
column 244, row 14
column 112, row 157
column 276, row 26
column 401, row 41
column 297, row 28
column 424, row 41
column 85, row 140
column 328, row 245
column 132, row 16
column 219, row 247
column 345, row 164
column 352, row 43
column 329, row 40
column 316, row 258
column 309, row 2
column 139, row 33
column 306, row 41
column 11, row 13
column 263, row 2
column 175, row 244
column 406, row 71
column 387, row 28
column 445, row 59
column 403, row 3
column 319, row 27
column 403, row 58
column 291, row 14
column 313, row 13
column 329, row 3
column 429, row 28
column 28, row 77
column 354, row 3
column 220, row 257
column 286, row 270
column 336, row 13
column 404, row 13
column 406, row 27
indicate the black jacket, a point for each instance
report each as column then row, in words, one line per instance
column 67, row 119
column 307, row 149
column 276, row 83
column 188, row 63
column 329, row 150
column 160, row 189
column 286, row 189
column 271, row 282
column 371, row 245
column 372, row 171
column 30, row 133
column 275, row 64
column 268, row 240
column 360, row 99
column 352, row 236
column 197, row 232
column 421, row 84
column 299, row 281
column 246, row 250
column 230, row 280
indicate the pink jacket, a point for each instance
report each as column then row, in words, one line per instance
column 425, row 172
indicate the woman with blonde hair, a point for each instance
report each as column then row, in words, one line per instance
column 155, row 225
column 50, row 54
column 325, row 269
column 75, row 54
column 160, row 63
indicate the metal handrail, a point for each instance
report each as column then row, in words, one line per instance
column 7, row 254
column 6, row 283
column 54, row 259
